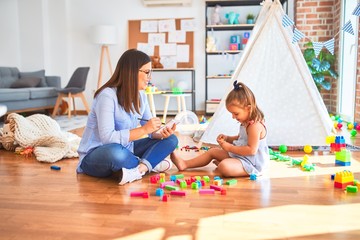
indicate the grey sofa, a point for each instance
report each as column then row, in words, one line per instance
column 27, row 91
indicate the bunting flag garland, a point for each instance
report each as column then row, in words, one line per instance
column 286, row 21
column 297, row 35
column 348, row 28
column 329, row 45
column 317, row 47
column 356, row 11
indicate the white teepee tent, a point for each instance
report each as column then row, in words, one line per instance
column 275, row 70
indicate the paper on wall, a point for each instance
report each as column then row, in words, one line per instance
column 147, row 26
column 146, row 48
column 177, row 36
column 156, row 38
column 167, row 49
column 182, row 53
column 167, row 25
column 188, row 25
column 168, row 62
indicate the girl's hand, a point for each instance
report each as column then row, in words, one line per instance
column 221, row 138
column 152, row 125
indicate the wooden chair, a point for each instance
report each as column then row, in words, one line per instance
column 74, row 88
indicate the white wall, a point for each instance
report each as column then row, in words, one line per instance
column 55, row 35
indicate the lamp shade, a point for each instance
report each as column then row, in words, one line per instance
column 104, row 34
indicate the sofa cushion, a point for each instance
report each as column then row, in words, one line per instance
column 14, row 94
column 39, row 74
column 8, row 75
column 44, row 92
column 26, row 82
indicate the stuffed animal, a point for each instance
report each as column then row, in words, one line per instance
column 232, row 17
column 210, row 44
column 215, row 17
column 155, row 62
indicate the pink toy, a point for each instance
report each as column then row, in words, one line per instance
column 178, row 193
column 206, row 191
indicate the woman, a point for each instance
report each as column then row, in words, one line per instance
column 112, row 141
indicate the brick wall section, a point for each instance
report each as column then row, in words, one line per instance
column 319, row 21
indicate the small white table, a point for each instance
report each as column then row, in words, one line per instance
column 3, row 110
column 180, row 102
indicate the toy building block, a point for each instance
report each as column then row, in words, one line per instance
column 206, row 191
column 333, row 176
column 218, row 182
column 231, row 182
column 206, row 179
column 159, row 192
column 246, row 34
column 183, row 184
column 139, row 194
column 164, row 198
column 343, row 158
column 178, row 193
column 154, row 179
column 352, row 189
column 54, row 167
column 233, row 46
column 194, row 185
column 172, row 188
column 253, row 176
column 235, row 39
column 202, row 182
column 223, row 191
column 343, row 179
column 168, row 183
column 216, row 188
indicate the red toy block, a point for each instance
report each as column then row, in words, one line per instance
column 223, row 191
column 139, row 194
column 178, row 193
column 216, row 188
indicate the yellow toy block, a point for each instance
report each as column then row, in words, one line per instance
column 330, row 139
column 344, row 177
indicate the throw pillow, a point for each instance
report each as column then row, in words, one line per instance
column 38, row 74
column 26, row 82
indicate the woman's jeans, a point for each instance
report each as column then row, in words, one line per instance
column 109, row 158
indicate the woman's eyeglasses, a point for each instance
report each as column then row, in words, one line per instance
column 147, row 72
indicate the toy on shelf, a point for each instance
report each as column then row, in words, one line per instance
column 232, row 17
column 215, row 17
column 235, row 42
column 210, row 44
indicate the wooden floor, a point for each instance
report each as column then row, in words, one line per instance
column 39, row 203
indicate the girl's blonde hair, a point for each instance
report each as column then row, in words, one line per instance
column 242, row 96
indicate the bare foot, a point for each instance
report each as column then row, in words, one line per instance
column 179, row 162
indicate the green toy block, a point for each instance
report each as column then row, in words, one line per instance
column 352, row 189
column 206, row 179
column 343, row 156
column 169, row 187
column 231, row 182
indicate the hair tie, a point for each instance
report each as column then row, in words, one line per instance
column 236, row 85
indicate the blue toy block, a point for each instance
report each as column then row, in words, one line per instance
column 253, row 176
column 159, row 192
column 246, row 34
column 235, row 39
column 341, row 163
column 54, row 167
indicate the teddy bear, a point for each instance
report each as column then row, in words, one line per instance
column 210, row 44
column 155, row 62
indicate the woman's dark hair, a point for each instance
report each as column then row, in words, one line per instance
column 242, row 96
column 126, row 79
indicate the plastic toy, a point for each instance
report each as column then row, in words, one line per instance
column 210, row 44
column 343, row 158
column 139, row 194
column 353, row 132
column 232, row 17
column 206, row 191
column 216, row 188
column 343, row 179
column 53, row 167
column 283, row 148
column 159, row 192
column 155, row 62
column 307, row 149
column 178, row 193
column 352, row 189
column 231, row 182
column 253, row 177
column 215, row 17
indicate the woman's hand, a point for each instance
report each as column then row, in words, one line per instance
column 152, row 125
column 168, row 131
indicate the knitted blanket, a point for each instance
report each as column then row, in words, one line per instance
column 42, row 133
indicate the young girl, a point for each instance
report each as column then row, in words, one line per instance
column 241, row 155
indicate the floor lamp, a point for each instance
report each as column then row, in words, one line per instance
column 104, row 35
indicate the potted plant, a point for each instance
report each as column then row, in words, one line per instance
column 250, row 18
column 320, row 66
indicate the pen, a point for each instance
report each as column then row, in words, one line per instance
column 142, row 119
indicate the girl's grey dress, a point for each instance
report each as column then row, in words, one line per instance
column 253, row 164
